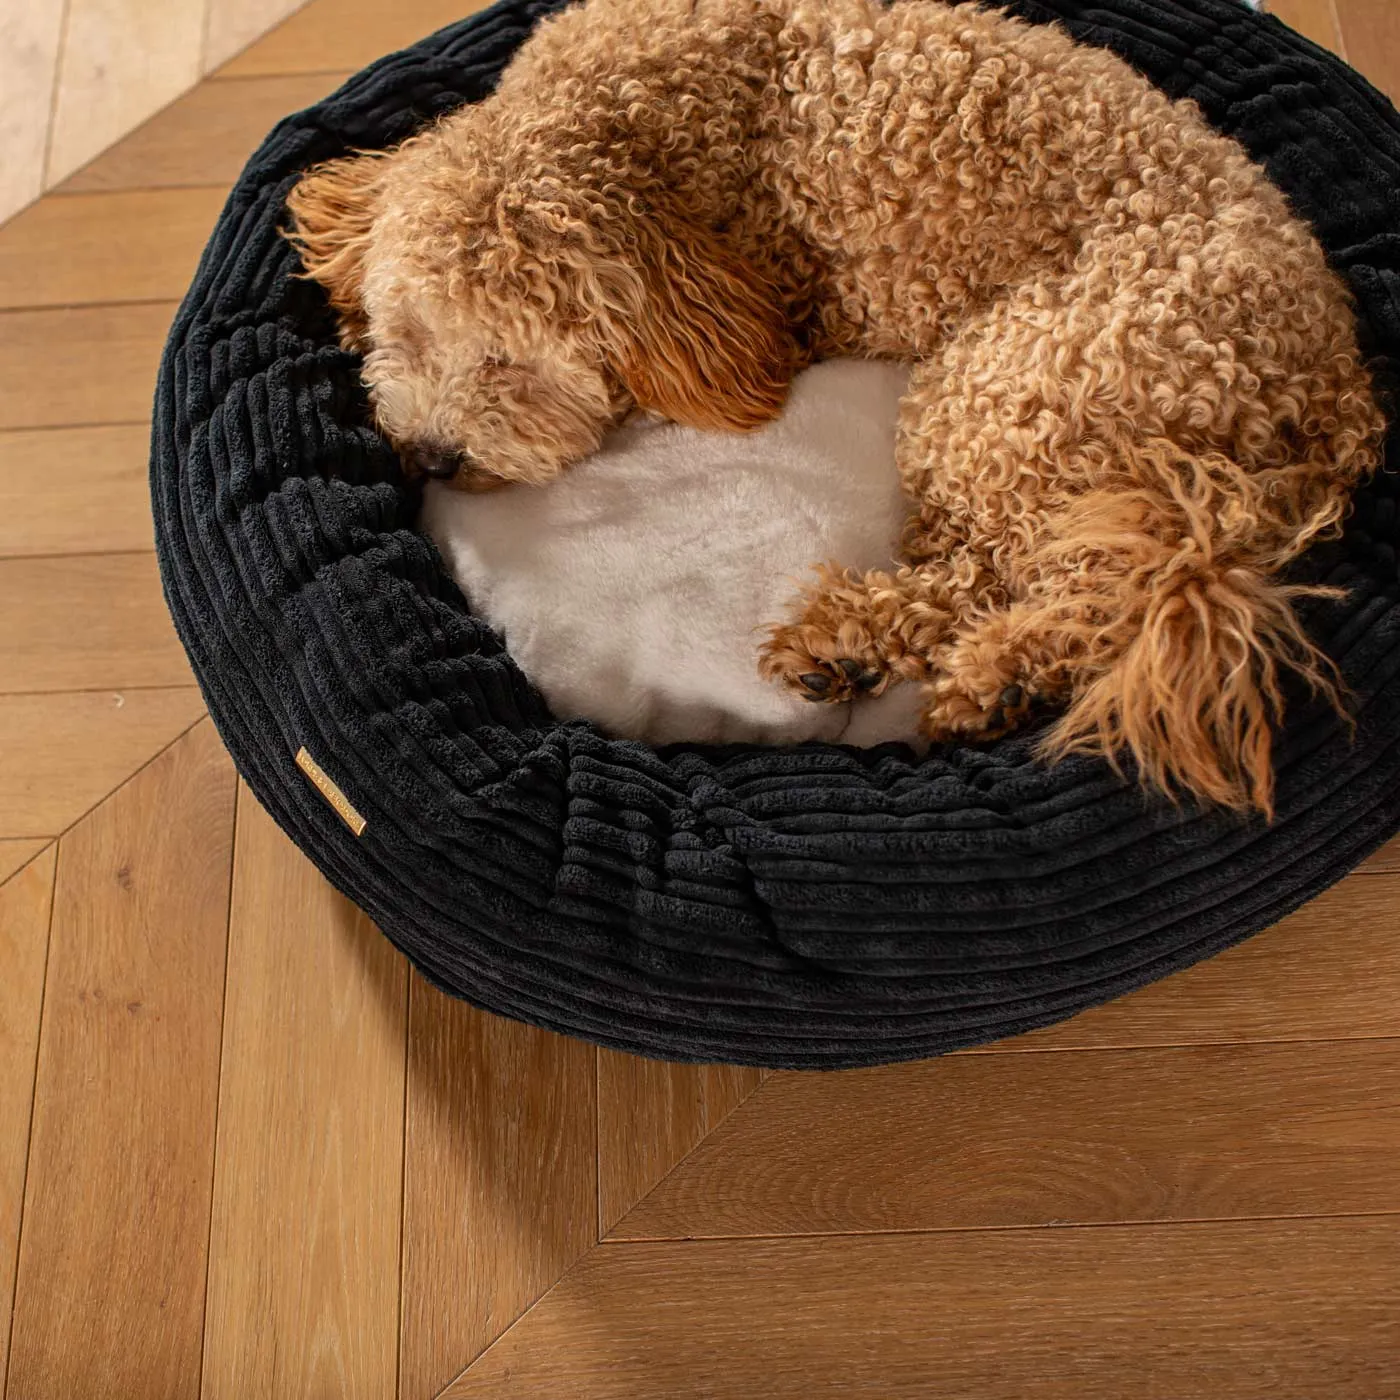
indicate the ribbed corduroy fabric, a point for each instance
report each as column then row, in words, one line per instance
column 809, row 907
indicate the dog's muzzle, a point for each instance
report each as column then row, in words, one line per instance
column 441, row 464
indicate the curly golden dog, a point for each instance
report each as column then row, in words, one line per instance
column 1137, row 393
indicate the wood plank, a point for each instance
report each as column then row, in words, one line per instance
column 1205, row 1132
column 25, row 904
column 1385, row 861
column 60, row 754
column 29, row 40
column 345, row 34
column 83, row 249
column 1371, row 35
column 110, row 1291
column 81, row 365
column 75, row 491
column 1279, row 1310
column 231, row 25
column 206, row 137
column 1327, row 972
column 87, row 622
column 1313, row 19
column 650, row 1115
column 121, row 61
column 304, row 1249
column 15, row 855
column 500, row 1179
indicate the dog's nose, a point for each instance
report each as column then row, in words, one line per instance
column 442, row 464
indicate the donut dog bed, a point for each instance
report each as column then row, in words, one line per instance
column 814, row 906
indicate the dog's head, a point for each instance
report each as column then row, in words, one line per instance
column 507, row 321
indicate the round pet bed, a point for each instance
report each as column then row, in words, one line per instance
column 805, row 907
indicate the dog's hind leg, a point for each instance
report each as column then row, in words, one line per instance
column 1137, row 472
column 856, row 634
column 994, row 670
column 1167, row 648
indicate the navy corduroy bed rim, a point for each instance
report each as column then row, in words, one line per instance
column 810, row 907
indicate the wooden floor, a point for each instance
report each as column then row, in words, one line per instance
column 75, row 75
column 246, row 1154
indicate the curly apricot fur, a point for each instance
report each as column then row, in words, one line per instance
column 1137, row 392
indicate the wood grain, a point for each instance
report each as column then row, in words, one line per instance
column 206, row 137
column 515, row 1156
column 75, row 491
column 345, row 34
column 85, row 622
column 25, row 903
column 231, row 25
column 304, row 1248
column 1205, row 1132
column 60, row 754
column 81, row 365
column 110, row 1294
column 500, row 1185
column 1385, row 861
column 650, row 1115
column 29, row 40
column 1371, row 36
column 83, row 249
column 1276, row 1310
column 1327, row 972
column 1313, row 19
column 15, row 855
column 121, row 61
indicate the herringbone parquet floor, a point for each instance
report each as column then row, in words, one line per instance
column 246, row 1154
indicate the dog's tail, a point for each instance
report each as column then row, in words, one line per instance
column 1193, row 652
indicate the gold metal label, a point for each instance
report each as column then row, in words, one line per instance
column 330, row 791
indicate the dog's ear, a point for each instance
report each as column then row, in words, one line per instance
column 709, row 346
column 334, row 206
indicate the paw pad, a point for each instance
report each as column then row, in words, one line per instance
column 840, row 680
column 803, row 660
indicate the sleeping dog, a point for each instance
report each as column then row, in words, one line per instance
column 1136, row 393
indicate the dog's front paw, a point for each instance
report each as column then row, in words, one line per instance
column 963, row 713
column 822, row 665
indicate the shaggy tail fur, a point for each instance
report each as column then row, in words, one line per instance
column 1195, row 695
column 1189, row 675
